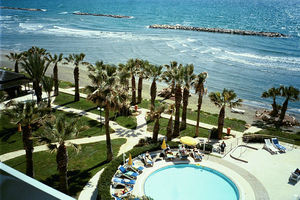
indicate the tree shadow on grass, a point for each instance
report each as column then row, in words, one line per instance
column 7, row 133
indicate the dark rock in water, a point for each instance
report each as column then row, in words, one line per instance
column 28, row 9
column 218, row 30
column 102, row 15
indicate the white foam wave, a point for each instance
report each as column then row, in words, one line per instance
column 5, row 17
column 63, row 13
column 170, row 45
column 31, row 27
column 44, row 10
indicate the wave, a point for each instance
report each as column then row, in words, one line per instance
column 2, row 18
column 31, row 27
column 63, row 13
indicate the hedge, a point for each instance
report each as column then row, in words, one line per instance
column 250, row 137
column 109, row 171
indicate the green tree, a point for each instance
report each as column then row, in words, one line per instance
column 273, row 93
column 60, row 130
column 143, row 74
column 76, row 59
column 156, row 114
column 178, row 79
column 154, row 73
column 106, row 92
column 188, row 78
column 17, row 58
column 199, row 88
column 55, row 59
column 168, row 75
column 226, row 98
column 47, row 83
column 132, row 67
column 170, row 123
column 36, row 66
column 27, row 115
column 291, row 94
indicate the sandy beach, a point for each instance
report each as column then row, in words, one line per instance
column 65, row 72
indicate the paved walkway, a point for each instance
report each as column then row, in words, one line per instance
column 132, row 136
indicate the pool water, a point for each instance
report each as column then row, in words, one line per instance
column 188, row 182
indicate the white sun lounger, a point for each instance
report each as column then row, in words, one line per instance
column 269, row 147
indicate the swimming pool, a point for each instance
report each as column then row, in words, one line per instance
column 191, row 182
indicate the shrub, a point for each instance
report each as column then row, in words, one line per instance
column 255, row 138
column 208, row 147
column 213, row 133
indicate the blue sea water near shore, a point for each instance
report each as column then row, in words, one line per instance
column 247, row 64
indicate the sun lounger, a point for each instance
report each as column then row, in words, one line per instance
column 136, row 169
column 120, row 196
column 277, row 145
column 269, row 147
column 170, row 155
column 147, row 160
column 197, row 155
column 124, row 182
column 126, row 173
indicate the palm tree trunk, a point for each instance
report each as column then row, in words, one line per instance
column 133, row 93
column 109, row 152
column 140, row 89
column 49, row 100
column 153, row 95
column 173, row 87
column 185, row 102
column 178, row 97
column 17, row 67
column 28, row 146
column 62, row 167
column 283, row 110
column 76, row 80
column 55, row 78
column 221, row 122
column 198, row 112
column 169, row 128
column 38, row 91
column 156, row 129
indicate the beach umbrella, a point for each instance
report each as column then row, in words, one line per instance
column 163, row 145
column 130, row 160
column 188, row 141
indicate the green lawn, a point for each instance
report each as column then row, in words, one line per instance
column 205, row 117
column 81, row 168
column 68, row 101
column 189, row 131
column 282, row 135
column 11, row 140
column 65, row 84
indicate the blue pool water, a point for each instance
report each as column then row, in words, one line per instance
column 191, row 182
column 247, row 64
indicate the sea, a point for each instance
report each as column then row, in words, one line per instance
column 247, row 64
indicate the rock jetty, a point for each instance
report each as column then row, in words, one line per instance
column 28, row 9
column 102, row 15
column 218, row 30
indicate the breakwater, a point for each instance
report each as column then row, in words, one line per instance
column 28, row 9
column 102, row 15
column 218, row 30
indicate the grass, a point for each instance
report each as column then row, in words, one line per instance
column 205, row 117
column 282, row 135
column 81, row 166
column 189, row 131
column 88, row 106
column 11, row 140
column 65, row 84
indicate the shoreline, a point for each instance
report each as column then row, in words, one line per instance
column 65, row 72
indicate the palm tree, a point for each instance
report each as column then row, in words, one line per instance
column 36, row 66
column 124, row 76
column 59, row 130
column 35, row 49
column 291, row 94
column 26, row 115
column 188, row 77
column 222, row 100
column 168, row 75
column 272, row 92
column 155, row 72
column 106, row 92
column 199, row 88
column 170, row 123
column 143, row 74
column 47, row 83
column 131, row 65
column 16, row 57
column 178, row 79
column 55, row 59
column 156, row 114
column 76, row 59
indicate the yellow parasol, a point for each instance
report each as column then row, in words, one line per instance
column 163, row 145
column 188, row 141
column 130, row 159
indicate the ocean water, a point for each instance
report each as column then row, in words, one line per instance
column 247, row 64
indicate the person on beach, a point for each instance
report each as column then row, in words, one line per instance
column 223, row 145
